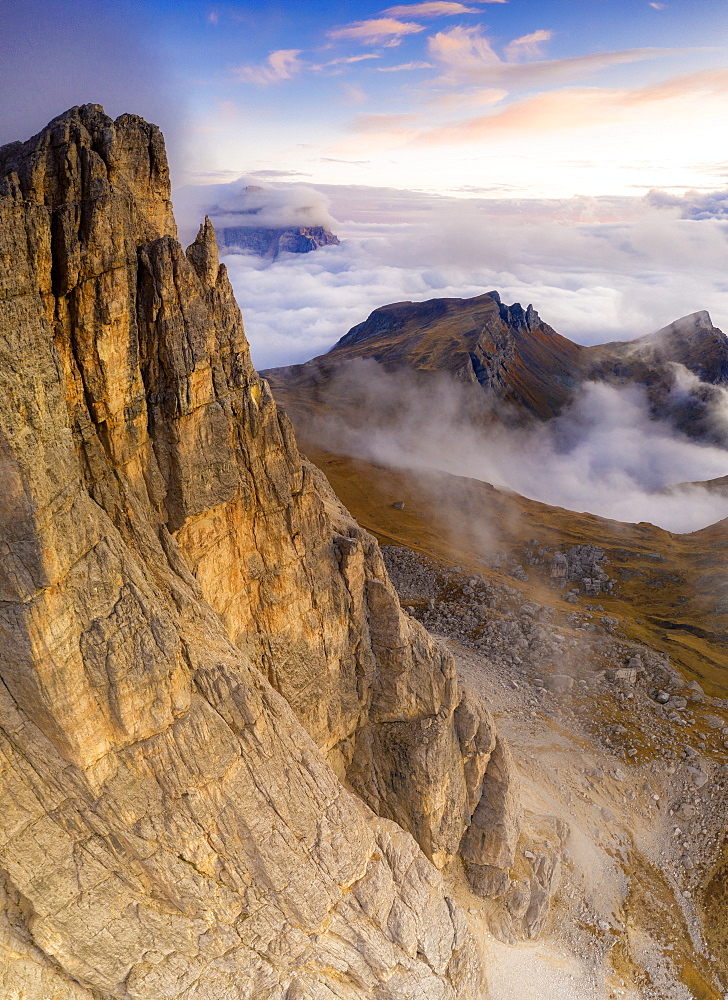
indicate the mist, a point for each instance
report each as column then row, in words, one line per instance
column 596, row 269
column 252, row 202
column 604, row 455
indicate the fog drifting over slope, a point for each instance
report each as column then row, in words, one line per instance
column 596, row 269
column 603, row 455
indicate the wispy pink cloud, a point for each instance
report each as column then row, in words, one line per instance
column 436, row 8
column 462, row 49
column 527, row 46
column 386, row 31
column 280, row 65
column 345, row 60
column 337, row 65
column 404, row 66
column 576, row 107
column 466, row 55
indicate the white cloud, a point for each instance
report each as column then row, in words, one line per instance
column 604, row 455
column 280, row 65
column 387, row 31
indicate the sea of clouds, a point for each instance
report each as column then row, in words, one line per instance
column 604, row 454
column 596, row 270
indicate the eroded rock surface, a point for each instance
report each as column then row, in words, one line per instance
column 199, row 645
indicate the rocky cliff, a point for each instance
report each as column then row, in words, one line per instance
column 231, row 766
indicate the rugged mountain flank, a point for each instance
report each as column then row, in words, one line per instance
column 481, row 341
column 527, row 369
column 216, row 724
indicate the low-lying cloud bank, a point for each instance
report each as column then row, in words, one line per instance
column 252, row 202
column 604, row 455
column 596, row 269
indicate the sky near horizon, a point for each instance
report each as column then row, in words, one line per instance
column 498, row 98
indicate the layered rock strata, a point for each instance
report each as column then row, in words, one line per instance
column 202, row 655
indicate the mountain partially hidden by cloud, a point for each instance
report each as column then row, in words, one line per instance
column 596, row 269
column 604, row 454
column 251, row 202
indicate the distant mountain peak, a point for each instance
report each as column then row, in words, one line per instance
column 691, row 341
column 270, row 242
column 510, row 352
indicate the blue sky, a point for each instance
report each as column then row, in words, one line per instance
column 463, row 145
column 516, row 98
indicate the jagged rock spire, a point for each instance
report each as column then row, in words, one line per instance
column 203, row 255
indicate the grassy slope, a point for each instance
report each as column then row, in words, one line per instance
column 668, row 602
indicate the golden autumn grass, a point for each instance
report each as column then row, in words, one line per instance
column 669, row 602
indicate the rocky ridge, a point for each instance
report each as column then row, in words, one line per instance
column 272, row 242
column 506, row 350
column 231, row 766
column 526, row 369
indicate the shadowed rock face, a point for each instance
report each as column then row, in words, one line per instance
column 198, row 642
column 271, row 242
column 522, row 363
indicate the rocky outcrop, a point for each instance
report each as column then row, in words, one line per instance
column 506, row 350
column 272, row 242
column 525, row 368
column 203, row 658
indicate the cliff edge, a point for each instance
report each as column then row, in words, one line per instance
column 231, row 766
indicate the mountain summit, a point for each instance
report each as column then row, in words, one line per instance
column 523, row 363
column 503, row 348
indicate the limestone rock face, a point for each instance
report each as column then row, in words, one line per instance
column 202, row 657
